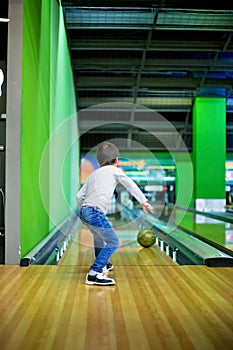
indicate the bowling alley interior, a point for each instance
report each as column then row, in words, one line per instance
column 154, row 78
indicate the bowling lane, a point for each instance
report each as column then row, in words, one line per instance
column 130, row 253
column 217, row 231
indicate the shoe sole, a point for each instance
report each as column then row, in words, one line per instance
column 99, row 283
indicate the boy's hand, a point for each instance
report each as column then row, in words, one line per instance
column 147, row 208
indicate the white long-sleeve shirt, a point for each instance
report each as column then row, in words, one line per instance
column 100, row 185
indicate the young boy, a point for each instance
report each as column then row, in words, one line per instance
column 93, row 199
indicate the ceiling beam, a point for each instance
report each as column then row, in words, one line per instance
column 134, row 61
column 197, row 4
column 96, row 44
column 93, row 82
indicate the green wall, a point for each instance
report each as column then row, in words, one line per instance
column 48, row 101
column 209, row 147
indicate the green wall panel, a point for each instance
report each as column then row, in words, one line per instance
column 209, row 147
column 48, row 100
column 35, row 123
column 63, row 157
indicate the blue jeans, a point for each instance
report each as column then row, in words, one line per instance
column 105, row 238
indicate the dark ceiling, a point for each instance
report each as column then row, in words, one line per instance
column 157, row 54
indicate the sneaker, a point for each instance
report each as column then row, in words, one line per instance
column 108, row 267
column 100, row 280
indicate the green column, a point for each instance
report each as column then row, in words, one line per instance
column 209, row 150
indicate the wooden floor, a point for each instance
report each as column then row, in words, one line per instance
column 155, row 304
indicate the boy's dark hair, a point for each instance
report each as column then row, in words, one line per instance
column 106, row 152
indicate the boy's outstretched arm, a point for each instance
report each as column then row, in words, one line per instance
column 147, row 208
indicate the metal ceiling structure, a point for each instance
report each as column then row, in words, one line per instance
column 157, row 54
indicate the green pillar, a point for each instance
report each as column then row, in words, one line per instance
column 209, row 150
